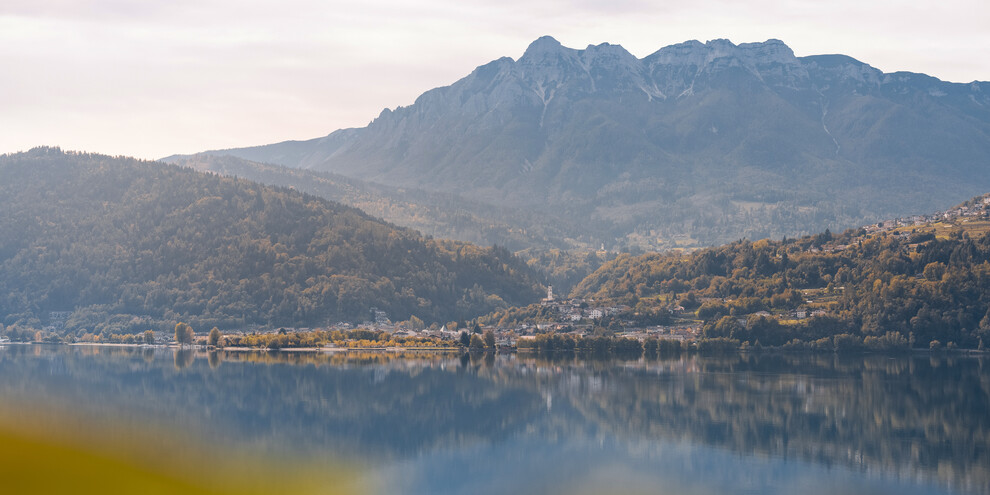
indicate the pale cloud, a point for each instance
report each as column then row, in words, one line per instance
column 155, row 78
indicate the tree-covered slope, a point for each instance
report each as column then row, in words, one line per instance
column 913, row 284
column 441, row 214
column 134, row 245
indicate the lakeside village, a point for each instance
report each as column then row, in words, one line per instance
column 578, row 318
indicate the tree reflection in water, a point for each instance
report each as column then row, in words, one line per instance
column 912, row 419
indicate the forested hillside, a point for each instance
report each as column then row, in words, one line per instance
column 439, row 214
column 922, row 285
column 554, row 246
column 126, row 245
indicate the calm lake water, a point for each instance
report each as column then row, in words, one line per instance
column 442, row 423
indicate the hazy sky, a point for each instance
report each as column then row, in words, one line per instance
column 152, row 78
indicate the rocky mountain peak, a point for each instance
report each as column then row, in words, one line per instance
column 769, row 52
column 629, row 142
column 542, row 47
column 608, row 55
column 695, row 53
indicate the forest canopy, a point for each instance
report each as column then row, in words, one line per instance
column 126, row 245
column 899, row 288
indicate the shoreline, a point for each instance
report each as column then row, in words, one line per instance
column 328, row 350
column 526, row 350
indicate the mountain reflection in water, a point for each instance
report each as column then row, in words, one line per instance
column 443, row 423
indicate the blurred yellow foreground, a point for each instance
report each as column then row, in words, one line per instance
column 39, row 456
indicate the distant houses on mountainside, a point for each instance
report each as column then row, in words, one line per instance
column 974, row 208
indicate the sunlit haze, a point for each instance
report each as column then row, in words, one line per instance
column 149, row 79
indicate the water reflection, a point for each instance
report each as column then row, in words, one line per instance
column 481, row 423
column 213, row 357
column 183, row 358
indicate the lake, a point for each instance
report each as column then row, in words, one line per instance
column 109, row 419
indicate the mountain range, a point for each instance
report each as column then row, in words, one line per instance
column 695, row 144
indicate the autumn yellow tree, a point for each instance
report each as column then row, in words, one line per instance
column 213, row 339
column 183, row 333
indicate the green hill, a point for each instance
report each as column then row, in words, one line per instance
column 126, row 245
column 884, row 286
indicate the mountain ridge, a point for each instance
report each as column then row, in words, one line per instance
column 443, row 215
column 698, row 140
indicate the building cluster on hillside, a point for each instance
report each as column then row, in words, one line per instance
column 582, row 317
column 577, row 309
column 976, row 208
